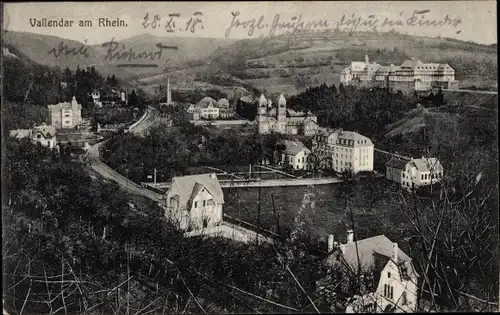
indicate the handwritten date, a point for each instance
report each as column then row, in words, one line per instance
column 173, row 23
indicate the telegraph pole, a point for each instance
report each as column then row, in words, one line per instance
column 154, row 176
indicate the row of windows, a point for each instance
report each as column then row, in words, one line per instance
column 204, row 203
column 388, row 291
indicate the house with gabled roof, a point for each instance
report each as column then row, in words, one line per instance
column 414, row 172
column 44, row 135
column 295, row 155
column 194, row 202
column 388, row 277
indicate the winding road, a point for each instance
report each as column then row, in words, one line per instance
column 104, row 170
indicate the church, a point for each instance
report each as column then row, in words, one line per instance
column 279, row 120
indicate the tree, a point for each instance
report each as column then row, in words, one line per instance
column 317, row 162
column 133, row 99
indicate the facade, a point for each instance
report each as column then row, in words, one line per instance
column 43, row 135
column 210, row 112
column 389, row 278
column 96, row 98
column 343, row 150
column 410, row 75
column 414, row 172
column 208, row 108
column 65, row 115
column 271, row 119
column 295, row 155
column 194, row 202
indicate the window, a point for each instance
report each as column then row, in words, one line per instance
column 388, row 275
column 385, row 290
column 204, row 203
column 196, row 204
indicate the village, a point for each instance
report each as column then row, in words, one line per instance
column 196, row 203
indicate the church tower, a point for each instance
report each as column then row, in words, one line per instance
column 262, row 115
column 281, row 114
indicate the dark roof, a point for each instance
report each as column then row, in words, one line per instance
column 399, row 164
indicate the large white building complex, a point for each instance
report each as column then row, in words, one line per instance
column 344, row 150
column 411, row 75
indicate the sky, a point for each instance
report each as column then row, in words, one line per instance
column 467, row 20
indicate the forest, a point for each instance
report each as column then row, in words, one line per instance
column 75, row 244
column 172, row 151
column 29, row 88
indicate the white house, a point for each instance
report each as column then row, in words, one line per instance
column 194, row 202
column 295, row 155
column 65, row 115
column 210, row 112
column 44, row 135
column 344, row 150
column 394, row 278
column 414, row 172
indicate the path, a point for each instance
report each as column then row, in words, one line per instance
column 233, row 183
column 107, row 172
column 471, row 91
column 393, row 154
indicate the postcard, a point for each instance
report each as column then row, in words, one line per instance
column 249, row 157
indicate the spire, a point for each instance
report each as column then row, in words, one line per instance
column 262, row 101
column 367, row 61
column 281, row 101
column 169, row 94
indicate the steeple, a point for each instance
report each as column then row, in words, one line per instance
column 169, row 94
column 262, row 101
column 281, row 101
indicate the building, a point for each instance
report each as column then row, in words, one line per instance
column 411, row 75
column 295, row 155
column 414, row 172
column 389, row 280
column 65, row 115
column 210, row 112
column 343, row 150
column 44, row 135
column 272, row 119
column 96, row 98
column 207, row 108
column 194, row 202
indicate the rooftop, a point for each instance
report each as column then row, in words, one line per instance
column 186, row 187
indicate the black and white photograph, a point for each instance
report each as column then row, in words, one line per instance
column 265, row 157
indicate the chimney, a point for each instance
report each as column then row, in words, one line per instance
column 342, row 248
column 350, row 236
column 395, row 252
column 330, row 242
